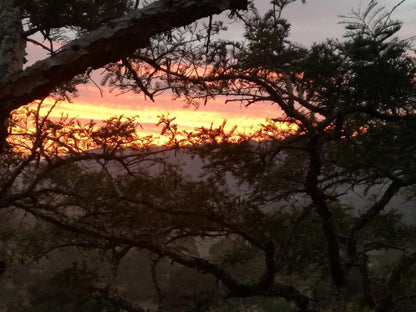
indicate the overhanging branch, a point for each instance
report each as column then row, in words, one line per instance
column 106, row 44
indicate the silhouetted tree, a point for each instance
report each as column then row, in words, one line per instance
column 108, row 32
column 304, row 210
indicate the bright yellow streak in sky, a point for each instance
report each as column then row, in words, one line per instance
column 91, row 106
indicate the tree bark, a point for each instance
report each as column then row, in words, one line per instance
column 108, row 43
column 12, row 53
column 12, row 43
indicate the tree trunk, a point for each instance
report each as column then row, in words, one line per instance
column 12, row 53
column 12, row 43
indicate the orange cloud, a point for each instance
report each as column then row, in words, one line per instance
column 91, row 105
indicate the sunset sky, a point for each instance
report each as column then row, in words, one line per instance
column 314, row 21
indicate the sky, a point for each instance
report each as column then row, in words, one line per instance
column 311, row 22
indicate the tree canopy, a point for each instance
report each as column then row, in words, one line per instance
column 314, row 212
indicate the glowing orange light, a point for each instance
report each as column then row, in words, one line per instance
column 90, row 106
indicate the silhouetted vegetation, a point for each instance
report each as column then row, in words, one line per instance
column 314, row 212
